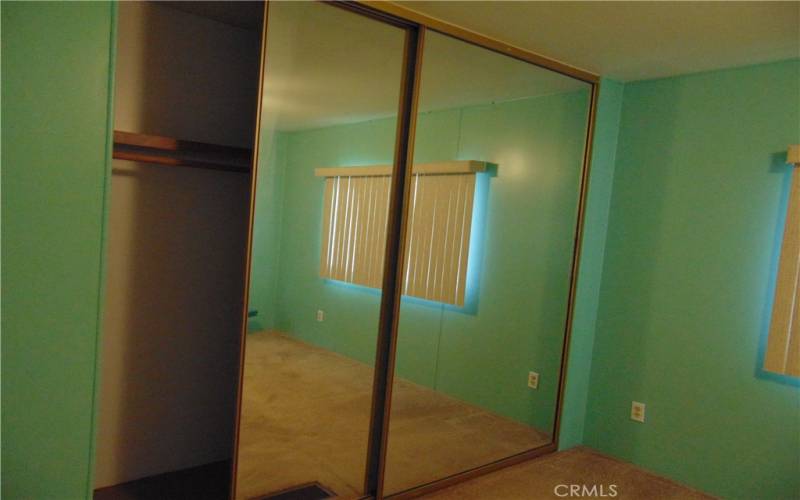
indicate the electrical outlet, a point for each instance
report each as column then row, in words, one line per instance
column 637, row 411
column 533, row 380
column 320, row 315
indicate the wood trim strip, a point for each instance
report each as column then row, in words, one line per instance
column 442, row 167
column 179, row 145
column 177, row 162
column 169, row 151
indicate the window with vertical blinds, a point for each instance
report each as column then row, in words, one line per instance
column 355, row 210
column 783, row 343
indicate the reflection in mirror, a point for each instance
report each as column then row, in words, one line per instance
column 331, row 92
column 491, row 226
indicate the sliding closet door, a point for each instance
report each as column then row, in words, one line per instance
column 492, row 217
column 327, row 140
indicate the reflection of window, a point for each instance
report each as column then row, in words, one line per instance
column 354, row 217
column 783, row 345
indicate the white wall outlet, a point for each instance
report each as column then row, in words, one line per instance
column 320, row 315
column 533, row 380
column 637, row 411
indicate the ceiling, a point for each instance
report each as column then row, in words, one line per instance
column 635, row 40
column 327, row 66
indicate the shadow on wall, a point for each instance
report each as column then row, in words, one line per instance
column 174, row 309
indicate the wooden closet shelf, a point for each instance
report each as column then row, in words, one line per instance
column 179, row 153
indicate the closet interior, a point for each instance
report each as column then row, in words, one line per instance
column 393, row 209
column 186, row 84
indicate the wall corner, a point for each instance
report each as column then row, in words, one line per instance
column 587, row 295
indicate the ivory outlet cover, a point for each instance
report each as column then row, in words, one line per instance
column 533, row 380
column 637, row 411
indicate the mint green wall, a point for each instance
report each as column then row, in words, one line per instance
column 267, row 231
column 56, row 81
column 694, row 232
column 484, row 356
column 515, row 324
column 351, row 314
column 587, row 296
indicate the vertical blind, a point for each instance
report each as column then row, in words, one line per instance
column 354, row 229
column 355, row 209
column 438, row 236
column 783, row 344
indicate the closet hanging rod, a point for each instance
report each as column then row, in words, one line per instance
column 180, row 153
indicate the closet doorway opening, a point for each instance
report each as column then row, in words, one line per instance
column 185, row 100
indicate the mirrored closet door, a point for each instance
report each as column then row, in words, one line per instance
column 328, row 119
column 416, row 212
column 492, row 214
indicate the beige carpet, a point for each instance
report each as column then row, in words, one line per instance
column 305, row 417
column 551, row 476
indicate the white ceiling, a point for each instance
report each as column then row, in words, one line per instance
column 635, row 40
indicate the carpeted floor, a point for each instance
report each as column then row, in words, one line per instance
column 305, row 417
column 548, row 477
column 551, row 476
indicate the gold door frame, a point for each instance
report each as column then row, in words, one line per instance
column 415, row 25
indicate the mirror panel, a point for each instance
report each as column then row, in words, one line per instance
column 331, row 91
column 488, row 261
